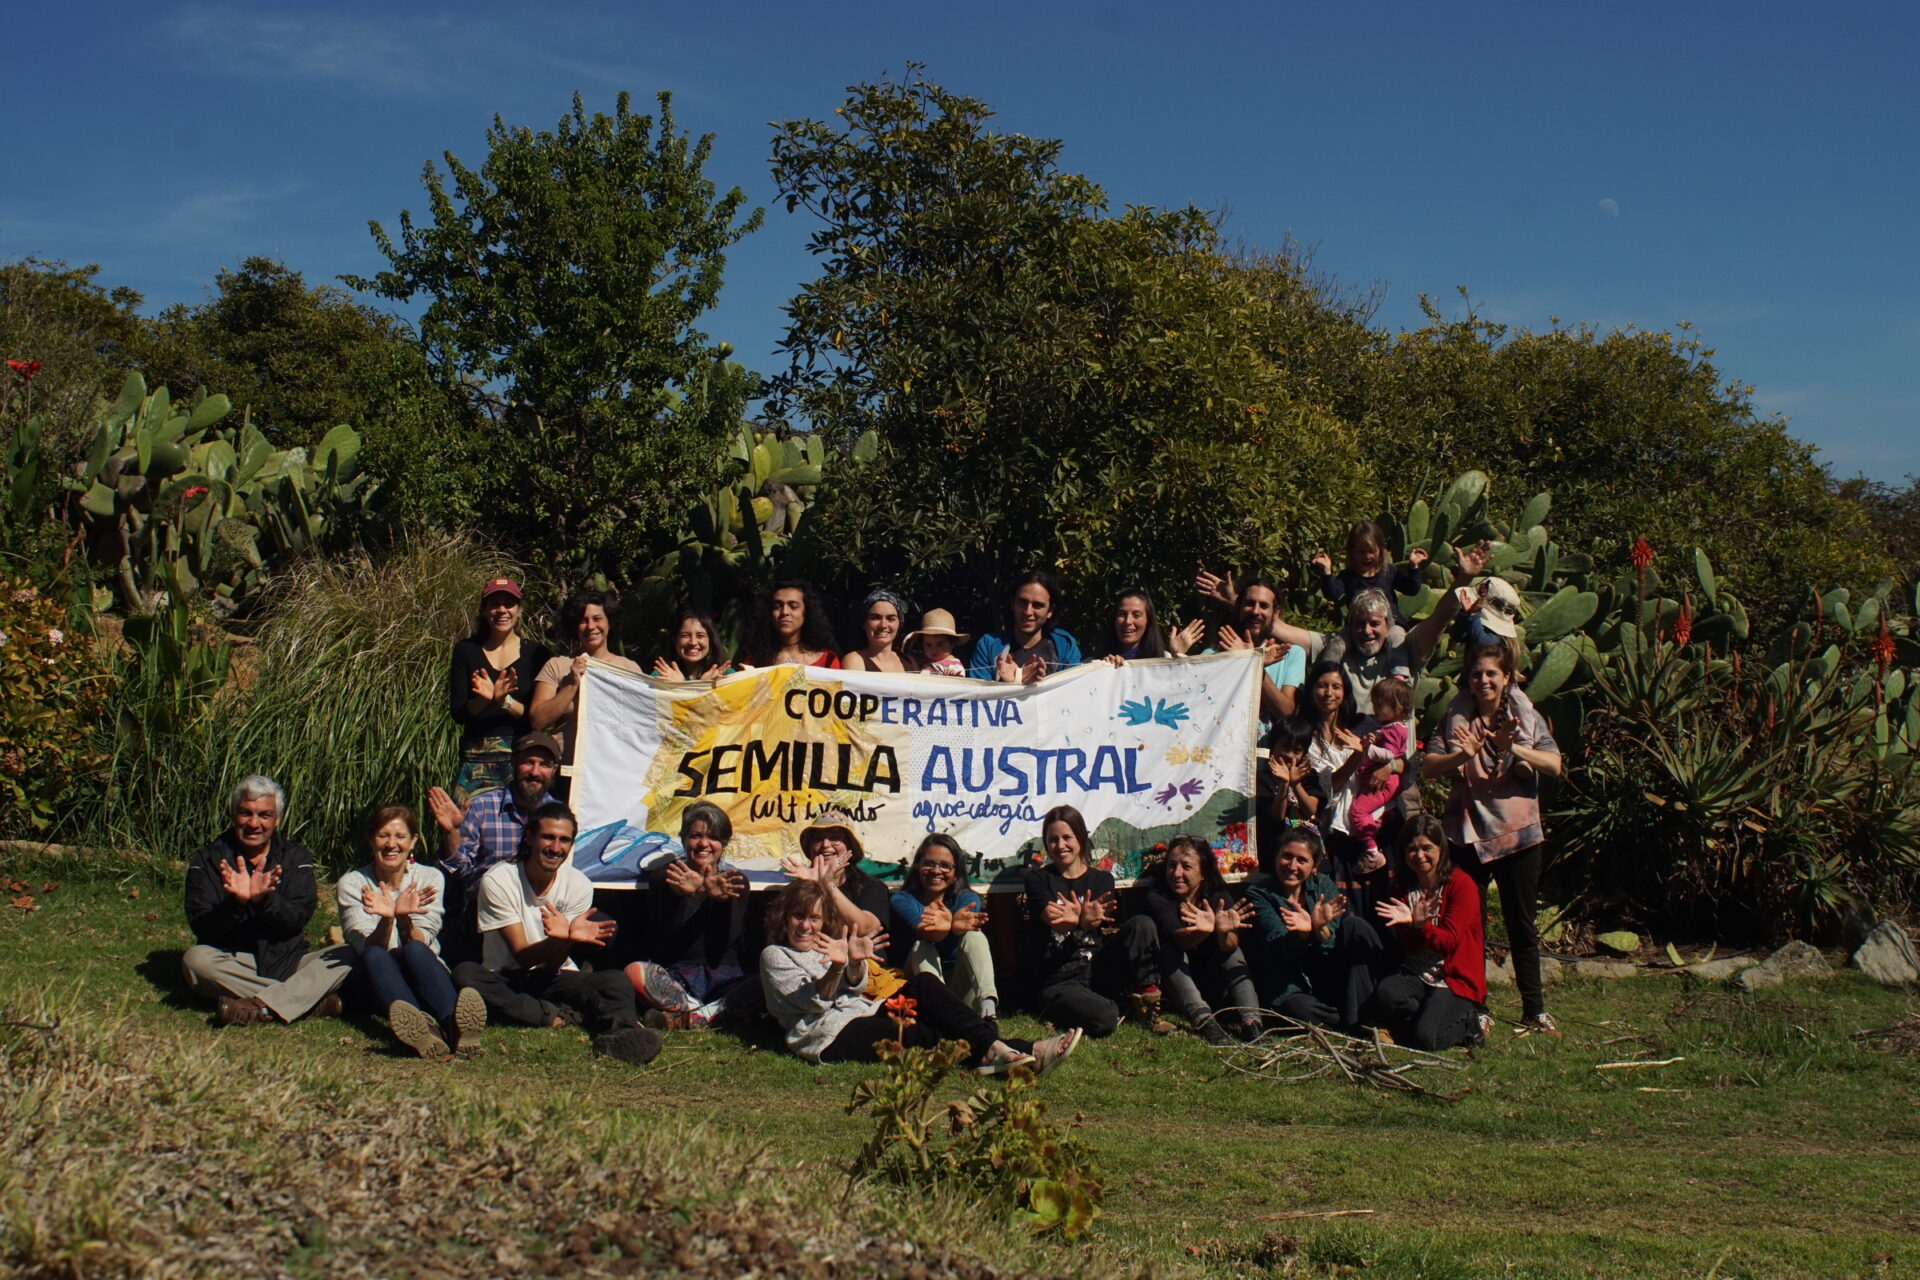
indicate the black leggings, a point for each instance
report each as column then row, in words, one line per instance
column 1518, row 877
column 1127, row 962
column 1424, row 1017
column 938, row 1015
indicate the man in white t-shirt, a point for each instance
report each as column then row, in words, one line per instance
column 532, row 913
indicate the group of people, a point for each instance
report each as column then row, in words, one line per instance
column 1367, row 911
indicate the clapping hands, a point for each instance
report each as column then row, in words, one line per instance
column 582, row 928
column 1182, row 639
column 487, row 687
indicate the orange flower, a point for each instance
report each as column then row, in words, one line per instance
column 25, row 368
column 1642, row 554
column 1683, row 624
column 901, row 1008
column 1882, row 650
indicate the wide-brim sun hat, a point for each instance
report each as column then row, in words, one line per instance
column 1499, row 607
column 937, row 622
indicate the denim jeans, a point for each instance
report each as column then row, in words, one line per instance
column 410, row 972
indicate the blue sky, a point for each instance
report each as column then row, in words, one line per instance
column 1750, row 169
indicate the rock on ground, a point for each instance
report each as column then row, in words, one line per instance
column 1795, row 960
column 1888, row 956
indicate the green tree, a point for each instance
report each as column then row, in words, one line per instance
column 1635, row 432
column 83, row 335
column 1045, row 383
column 298, row 360
column 564, row 278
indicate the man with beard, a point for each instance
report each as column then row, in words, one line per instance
column 1370, row 648
column 532, row 913
column 487, row 833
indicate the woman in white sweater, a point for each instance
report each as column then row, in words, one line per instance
column 390, row 911
column 814, row 971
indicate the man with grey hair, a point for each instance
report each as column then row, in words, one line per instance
column 1370, row 648
column 249, row 895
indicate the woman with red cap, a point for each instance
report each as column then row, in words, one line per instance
column 489, row 686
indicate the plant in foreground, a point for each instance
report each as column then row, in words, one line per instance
column 996, row 1141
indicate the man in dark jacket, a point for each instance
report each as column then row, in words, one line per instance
column 249, row 896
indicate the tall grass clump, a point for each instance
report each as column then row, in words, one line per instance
column 343, row 703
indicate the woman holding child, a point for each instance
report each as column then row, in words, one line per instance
column 1497, row 746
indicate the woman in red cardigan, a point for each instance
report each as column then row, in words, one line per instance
column 1438, row 998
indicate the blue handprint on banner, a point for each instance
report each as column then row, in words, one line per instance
column 1154, row 710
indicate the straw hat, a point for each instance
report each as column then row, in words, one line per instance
column 937, row 622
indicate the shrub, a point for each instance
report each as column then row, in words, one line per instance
column 53, row 692
column 344, row 704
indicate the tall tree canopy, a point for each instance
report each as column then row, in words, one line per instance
column 564, row 279
column 1048, row 383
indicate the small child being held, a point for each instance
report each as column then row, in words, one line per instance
column 937, row 641
column 1393, row 710
column 1369, row 565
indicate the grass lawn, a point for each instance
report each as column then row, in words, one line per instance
column 1774, row 1149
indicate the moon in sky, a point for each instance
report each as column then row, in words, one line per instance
column 1610, row 207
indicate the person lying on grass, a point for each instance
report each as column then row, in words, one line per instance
column 533, row 912
column 249, row 895
column 814, row 972
column 390, row 912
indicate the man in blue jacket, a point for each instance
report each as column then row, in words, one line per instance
column 1033, row 647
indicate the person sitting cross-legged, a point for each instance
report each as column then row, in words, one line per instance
column 533, row 912
column 697, row 918
column 249, row 895
column 390, row 911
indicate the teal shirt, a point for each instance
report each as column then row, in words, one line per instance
column 1281, row 955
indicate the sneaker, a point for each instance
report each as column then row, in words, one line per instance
column 1540, row 1023
column 1252, row 1028
column 638, row 1045
column 1051, row 1052
column 469, row 1020
column 1213, row 1033
column 417, row 1031
column 656, row 985
column 1482, row 1031
column 1004, row 1063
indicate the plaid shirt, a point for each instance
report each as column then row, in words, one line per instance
column 489, row 836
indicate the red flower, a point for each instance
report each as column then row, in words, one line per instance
column 25, row 368
column 1683, row 624
column 1642, row 554
column 193, row 491
column 1882, row 650
column 901, row 1008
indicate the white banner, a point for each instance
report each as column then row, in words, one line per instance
column 1146, row 751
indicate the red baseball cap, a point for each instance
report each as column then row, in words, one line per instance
column 496, row 586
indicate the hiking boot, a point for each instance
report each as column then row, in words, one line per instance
column 638, row 1045
column 417, row 1031
column 329, row 1006
column 1213, row 1033
column 1051, row 1052
column 242, row 1011
column 469, row 1020
column 1539, row 1024
column 1146, row 1012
